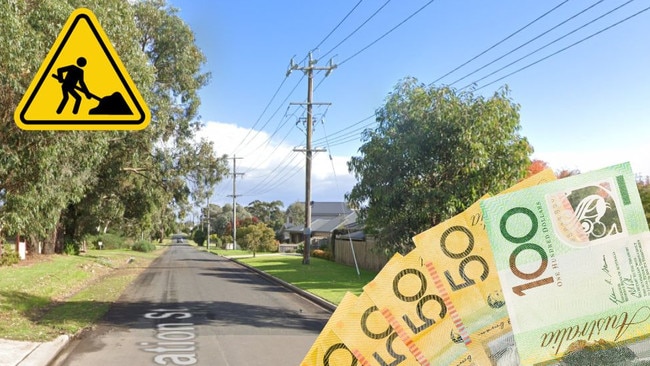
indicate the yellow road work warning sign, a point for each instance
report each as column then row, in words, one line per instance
column 82, row 84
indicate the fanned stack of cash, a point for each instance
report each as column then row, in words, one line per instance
column 545, row 273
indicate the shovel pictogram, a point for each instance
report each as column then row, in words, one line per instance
column 113, row 104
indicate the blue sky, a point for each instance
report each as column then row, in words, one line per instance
column 583, row 108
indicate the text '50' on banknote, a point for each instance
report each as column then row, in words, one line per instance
column 571, row 253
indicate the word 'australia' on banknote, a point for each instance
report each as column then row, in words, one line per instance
column 571, row 258
column 461, row 254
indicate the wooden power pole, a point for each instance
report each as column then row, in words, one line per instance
column 234, row 196
column 309, row 71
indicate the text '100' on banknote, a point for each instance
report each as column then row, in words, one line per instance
column 572, row 260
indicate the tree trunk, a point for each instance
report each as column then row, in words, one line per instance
column 49, row 243
column 31, row 244
column 53, row 243
column 59, row 238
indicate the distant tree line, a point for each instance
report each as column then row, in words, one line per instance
column 259, row 224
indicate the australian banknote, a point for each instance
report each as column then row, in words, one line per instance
column 369, row 335
column 328, row 349
column 462, row 257
column 419, row 311
column 571, row 256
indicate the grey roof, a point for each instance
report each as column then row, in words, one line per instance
column 333, row 209
column 293, row 227
column 322, row 225
column 327, row 224
column 355, row 235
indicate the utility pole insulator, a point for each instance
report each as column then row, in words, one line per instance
column 309, row 71
column 234, row 200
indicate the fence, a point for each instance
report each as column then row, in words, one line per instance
column 367, row 258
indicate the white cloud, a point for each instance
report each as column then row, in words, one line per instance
column 273, row 170
column 586, row 161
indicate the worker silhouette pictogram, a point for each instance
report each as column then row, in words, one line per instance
column 112, row 104
column 73, row 74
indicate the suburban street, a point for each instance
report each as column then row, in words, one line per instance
column 194, row 308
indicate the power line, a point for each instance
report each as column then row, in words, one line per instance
column 264, row 111
column 269, row 155
column 279, row 183
column 550, row 43
column 280, row 180
column 567, row 47
column 387, row 33
column 274, row 113
column 317, row 46
column 309, row 71
column 277, row 173
column 336, row 27
column 284, row 80
column 357, row 29
column 355, row 136
column 343, row 141
column 267, row 141
column 501, row 41
column 346, row 139
column 272, row 175
column 329, row 34
column 528, row 42
column 234, row 201
column 347, row 128
column 336, row 182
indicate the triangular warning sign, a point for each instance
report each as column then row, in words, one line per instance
column 82, row 84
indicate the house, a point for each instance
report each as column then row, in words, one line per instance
column 326, row 217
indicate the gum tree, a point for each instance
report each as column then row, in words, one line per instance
column 56, row 185
column 434, row 151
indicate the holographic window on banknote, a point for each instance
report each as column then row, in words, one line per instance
column 585, row 215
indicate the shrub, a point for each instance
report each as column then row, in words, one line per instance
column 71, row 248
column 319, row 253
column 144, row 246
column 226, row 239
column 9, row 258
column 109, row 241
column 215, row 240
column 91, row 239
column 300, row 248
column 270, row 246
column 199, row 237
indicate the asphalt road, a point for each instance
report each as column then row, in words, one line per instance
column 194, row 308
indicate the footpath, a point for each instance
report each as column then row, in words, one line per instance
column 13, row 353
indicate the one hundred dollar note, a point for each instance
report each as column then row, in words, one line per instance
column 571, row 256
column 461, row 254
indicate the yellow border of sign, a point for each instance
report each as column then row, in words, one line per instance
column 24, row 104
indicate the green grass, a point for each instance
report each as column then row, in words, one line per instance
column 62, row 294
column 323, row 278
column 228, row 253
